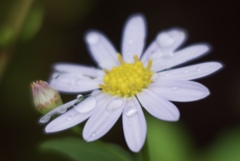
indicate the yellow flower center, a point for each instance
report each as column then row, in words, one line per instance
column 127, row 79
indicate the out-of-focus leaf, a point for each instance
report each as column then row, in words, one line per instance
column 6, row 35
column 167, row 141
column 32, row 24
column 79, row 150
column 225, row 148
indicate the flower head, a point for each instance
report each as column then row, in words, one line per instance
column 45, row 97
column 126, row 84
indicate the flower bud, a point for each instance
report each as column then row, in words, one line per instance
column 45, row 97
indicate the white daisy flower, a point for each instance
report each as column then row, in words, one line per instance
column 126, row 83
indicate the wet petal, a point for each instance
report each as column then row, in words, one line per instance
column 74, row 116
column 190, row 72
column 179, row 90
column 73, row 82
column 134, row 125
column 158, row 106
column 165, row 43
column 60, row 109
column 101, row 49
column 179, row 57
column 103, row 119
column 74, row 68
column 133, row 37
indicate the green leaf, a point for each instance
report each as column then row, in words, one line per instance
column 166, row 141
column 225, row 148
column 7, row 35
column 79, row 150
column 32, row 24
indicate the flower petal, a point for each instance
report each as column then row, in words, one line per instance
column 179, row 57
column 103, row 119
column 74, row 116
column 74, row 68
column 165, row 43
column 190, row 72
column 60, row 109
column 158, row 106
column 134, row 125
column 101, row 49
column 179, row 90
column 73, row 82
column 133, row 38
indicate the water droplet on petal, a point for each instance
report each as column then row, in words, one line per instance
column 69, row 117
column 62, row 109
column 79, row 96
column 131, row 111
column 93, row 134
column 198, row 69
column 175, row 88
column 185, row 71
column 165, row 40
column 130, row 123
column 86, row 105
column 45, row 119
column 114, row 104
column 92, row 38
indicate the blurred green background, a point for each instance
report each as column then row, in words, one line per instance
column 36, row 34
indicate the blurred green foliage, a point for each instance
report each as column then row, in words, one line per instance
column 226, row 147
column 79, row 150
column 168, row 141
column 32, row 24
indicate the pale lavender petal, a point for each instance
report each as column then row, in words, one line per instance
column 73, row 83
column 134, row 125
column 179, row 57
column 101, row 49
column 190, row 72
column 133, row 38
column 179, row 90
column 74, row 116
column 74, row 68
column 103, row 119
column 165, row 43
column 158, row 106
column 58, row 110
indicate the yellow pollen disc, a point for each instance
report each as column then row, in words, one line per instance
column 127, row 79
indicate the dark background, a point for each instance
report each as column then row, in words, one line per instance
column 60, row 39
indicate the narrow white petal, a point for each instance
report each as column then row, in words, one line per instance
column 74, row 116
column 60, row 109
column 158, row 106
column 190, row 72
column 179, row 90
column 165, row 43
column 134, row 125
column 101, row 49
column 74, row 68
column 133, row 38
column 103, row 119
column 73, row 82
column 179, row 57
